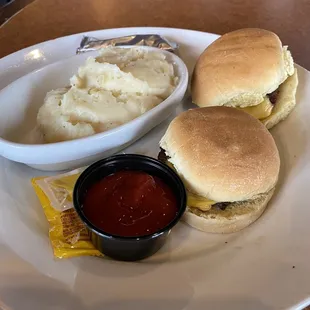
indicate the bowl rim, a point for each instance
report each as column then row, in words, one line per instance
column 175, row 60
column 88, row 171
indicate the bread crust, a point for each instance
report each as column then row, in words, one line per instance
column 223, row 154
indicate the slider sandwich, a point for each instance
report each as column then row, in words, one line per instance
column 248, row 69
column 228, row 162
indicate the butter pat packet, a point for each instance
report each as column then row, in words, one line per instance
column 67, row 233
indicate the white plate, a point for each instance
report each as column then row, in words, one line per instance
column 21, row 141
column 253, row 270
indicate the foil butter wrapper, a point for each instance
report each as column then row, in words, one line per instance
column 153, row 40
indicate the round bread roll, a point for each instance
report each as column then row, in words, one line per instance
column 222, row 153
column 240, row 68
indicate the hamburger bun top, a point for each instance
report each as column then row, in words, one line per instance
column 240, row 68
column 222, row 153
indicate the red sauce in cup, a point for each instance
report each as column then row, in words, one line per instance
column 130, row 203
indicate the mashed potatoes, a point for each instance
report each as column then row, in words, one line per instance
column 110, row 90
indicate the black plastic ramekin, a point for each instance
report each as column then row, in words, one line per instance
column 119, row 247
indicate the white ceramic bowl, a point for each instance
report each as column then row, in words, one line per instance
column 21, row 100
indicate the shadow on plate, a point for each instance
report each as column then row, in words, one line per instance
column 33, row 293
column 198, row 304
column 42, row 298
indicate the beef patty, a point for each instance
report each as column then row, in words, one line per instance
column 273, row 96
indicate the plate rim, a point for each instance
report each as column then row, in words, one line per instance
column 43, row 44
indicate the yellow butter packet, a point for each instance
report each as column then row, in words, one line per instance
column 68, row 235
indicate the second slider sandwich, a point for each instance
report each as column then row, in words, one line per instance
column 247, row 69
column 228, row 162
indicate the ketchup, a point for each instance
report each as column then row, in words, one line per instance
column 130, row 203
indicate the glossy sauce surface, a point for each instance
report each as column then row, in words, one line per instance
column 130, row 203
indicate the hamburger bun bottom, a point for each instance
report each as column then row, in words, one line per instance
column 285, row 102
column 235, row 217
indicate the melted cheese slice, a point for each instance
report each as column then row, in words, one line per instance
column 261, row 110
column 195, row 201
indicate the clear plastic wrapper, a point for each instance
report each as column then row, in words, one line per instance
column 58, row 189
